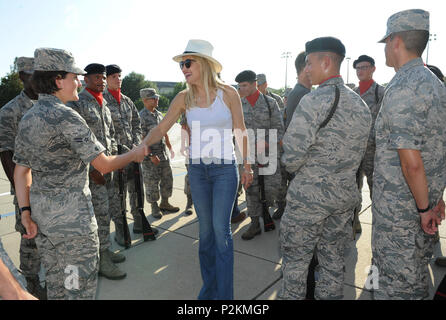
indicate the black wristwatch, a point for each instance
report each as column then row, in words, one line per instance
column 24, row 209
column 423, row 210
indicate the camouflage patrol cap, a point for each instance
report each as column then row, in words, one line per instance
column 49, row 59
column 408, row 20
column 24, row 64
column 261, row 78
column 148, row 93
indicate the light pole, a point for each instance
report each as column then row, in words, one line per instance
column 286, row 55
column 348, row 67
column 432, row 37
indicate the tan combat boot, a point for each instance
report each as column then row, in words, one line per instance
column 253, row 230
column 107, row 268
column 156, row 213
column 116, row 257
column 166, row 206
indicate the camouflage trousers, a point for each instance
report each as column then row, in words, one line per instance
column 272, row 189
column 10, row 265
column 401, row 256
column 299, row 239
column 71, row 265
column 366, row 169
column 113, row 194
column 29, row 255
column 157, row 179
column 100, row 200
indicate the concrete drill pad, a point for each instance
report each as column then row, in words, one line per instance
column 169, row 269
column 7, row 224
column 264, row 246
column 350, row 293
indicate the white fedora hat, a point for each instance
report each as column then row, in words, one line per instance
column 200, row 48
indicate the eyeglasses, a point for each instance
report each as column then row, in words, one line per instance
column 363, row 67
column 186, row 63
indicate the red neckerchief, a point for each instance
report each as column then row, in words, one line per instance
column 365, row 85
column 338, row 76
column 97, row 95
column 252, row 99
column 116, row 94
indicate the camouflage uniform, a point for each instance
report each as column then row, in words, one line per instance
column 57, row 145
column 128, row 132
column 322, row 195
column 258, row 117
column 373, row 101
column 99, row 120
column 277, row 98
column 294, row 98
column 10, row 116
column 412, row 116
column 156, row 177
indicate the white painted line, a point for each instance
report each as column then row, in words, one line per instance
column 180, row 160
column 5, row 194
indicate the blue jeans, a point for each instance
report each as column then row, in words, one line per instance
column 214, row 188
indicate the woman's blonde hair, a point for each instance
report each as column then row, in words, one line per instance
column 211, row 81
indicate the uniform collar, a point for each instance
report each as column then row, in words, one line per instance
column 417, row 62
column 49, row 98
column 25, row 96
column 336, row 80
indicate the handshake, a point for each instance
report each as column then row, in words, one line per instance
column 137, row 154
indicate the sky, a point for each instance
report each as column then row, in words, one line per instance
column 143, row 36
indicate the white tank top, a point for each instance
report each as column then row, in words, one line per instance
column 211, row 131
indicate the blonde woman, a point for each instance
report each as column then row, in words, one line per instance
column 213, row 110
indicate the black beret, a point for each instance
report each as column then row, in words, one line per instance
column 325, row 44
column 246, row 75
column 112, row 69
column 94, row 68
column 364, row 58
column 435, row 70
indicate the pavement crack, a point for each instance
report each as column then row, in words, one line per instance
column 267, row 288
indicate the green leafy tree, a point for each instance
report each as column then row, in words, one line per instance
column 163, row 103
column 132, row 84
column 180, row 86
column 10, row 87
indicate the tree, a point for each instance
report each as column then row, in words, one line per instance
column 10, row 87
column 180, row 86
column 132, row 84
column 163, row 103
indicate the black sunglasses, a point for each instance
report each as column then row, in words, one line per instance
column 186, row 63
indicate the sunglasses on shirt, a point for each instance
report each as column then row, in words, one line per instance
column 186, row 63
